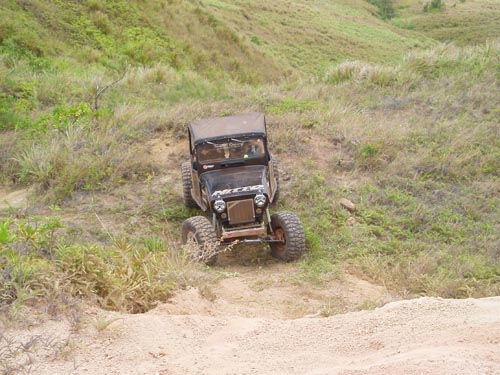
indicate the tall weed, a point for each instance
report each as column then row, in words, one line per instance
column 40, row 263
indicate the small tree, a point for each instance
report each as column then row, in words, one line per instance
column 434, row 4
column 99, row 90
column 385, row 6
column 387, row 9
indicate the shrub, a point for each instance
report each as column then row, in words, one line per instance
column 255, row 39
column 433, row 5
column 362, row 72
column 9, row 119
column 386, row 8
column 38, row 262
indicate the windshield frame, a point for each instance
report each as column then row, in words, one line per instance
column 234, row 148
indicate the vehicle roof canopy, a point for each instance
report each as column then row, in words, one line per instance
column 230, row 126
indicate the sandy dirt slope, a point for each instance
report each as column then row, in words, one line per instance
column 421, row 336
column 273, row 290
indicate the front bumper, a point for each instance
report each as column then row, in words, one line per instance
column 234, row 233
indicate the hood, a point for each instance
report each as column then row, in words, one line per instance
column 231, row 182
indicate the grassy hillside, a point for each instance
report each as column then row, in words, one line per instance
column 462, row 22
column 114, row 33
column 247, row 40
column 312, row 35
column 355, row 109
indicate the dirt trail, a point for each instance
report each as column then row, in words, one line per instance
column 422, row 336
column 14, row 198
column 274, row 291
column 258, row 319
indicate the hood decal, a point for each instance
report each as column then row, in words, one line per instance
column 231, row 182
column 244, row 189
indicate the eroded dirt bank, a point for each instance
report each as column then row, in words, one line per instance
column 421, row 336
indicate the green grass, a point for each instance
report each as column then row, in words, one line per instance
column 309, row 36
column 113, row 33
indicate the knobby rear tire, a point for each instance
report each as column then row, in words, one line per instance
column 187, row 184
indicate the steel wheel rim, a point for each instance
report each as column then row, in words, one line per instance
column 280, row 235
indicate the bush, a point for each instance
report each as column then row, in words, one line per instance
column 362, row 72
column 39, row 262
column 9, row 119
column 386, row 8
column 433, row 5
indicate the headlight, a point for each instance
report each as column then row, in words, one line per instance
column 260, row 200
column 219, row 206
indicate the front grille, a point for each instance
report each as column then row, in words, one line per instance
column 240, row 212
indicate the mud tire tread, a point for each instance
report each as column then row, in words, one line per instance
column 187, row 184
column 205, row 237
column 295, row 241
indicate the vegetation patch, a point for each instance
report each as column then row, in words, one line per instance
column 386, row 8
column 40, row 263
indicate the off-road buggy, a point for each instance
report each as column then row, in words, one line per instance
column 232, row 176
